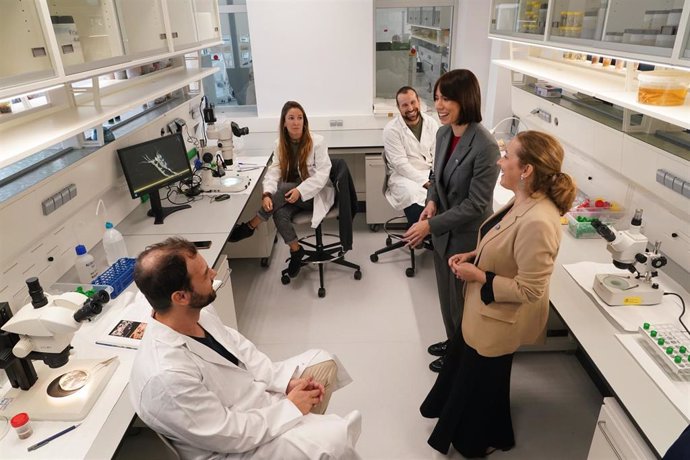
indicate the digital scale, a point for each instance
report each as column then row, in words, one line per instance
column 626, row 290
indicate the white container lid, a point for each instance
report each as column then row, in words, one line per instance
column 664, row 76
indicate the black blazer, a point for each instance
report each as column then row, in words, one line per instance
column 346, row 198
column 463, row 189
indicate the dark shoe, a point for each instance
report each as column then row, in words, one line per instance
column 295, row 263
column 438, row 349
column 437, row 364
column 240, row 232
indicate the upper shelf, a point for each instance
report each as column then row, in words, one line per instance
column 56, row 126
column 605, row 85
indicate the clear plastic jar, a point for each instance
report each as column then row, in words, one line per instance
column 616, row 37
column 22, row 425
column 673, row 18
column 663, row 87
column 649, row 37
column 665, row 41
column 634, row 36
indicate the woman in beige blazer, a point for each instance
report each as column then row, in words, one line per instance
column 506, row 299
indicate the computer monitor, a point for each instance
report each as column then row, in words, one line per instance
column 152, row 165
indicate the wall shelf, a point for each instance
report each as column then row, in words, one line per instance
column 605, row 85
column 56, row 126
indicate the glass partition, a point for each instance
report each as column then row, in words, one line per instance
column 27, row 59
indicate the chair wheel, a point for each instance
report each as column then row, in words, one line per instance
column 374, row 227
column 285, row 279
column 389, row 241
column 358, row 275
column 374, row 258
column 322, row 292
column 264, row 262
column 409, row 272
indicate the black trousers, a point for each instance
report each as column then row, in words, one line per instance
column 471, row 399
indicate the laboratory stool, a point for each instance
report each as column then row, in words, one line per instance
column 400, row 243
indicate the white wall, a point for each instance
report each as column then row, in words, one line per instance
column 317, row 52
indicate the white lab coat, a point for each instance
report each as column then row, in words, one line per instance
column 316, row 186
column 210, row 408
column 408, row 161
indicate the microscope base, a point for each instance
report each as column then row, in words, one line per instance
column 75, row 406
column 625, row 290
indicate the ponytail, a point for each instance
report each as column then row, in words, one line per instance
column 562, row 192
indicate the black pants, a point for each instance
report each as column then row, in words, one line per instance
column 412, row 212
column 471, row 399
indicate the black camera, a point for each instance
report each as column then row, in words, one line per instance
column 237, row 131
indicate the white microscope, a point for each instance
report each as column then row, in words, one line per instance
column 628, row 249
column 220, row 171
column 43, row 330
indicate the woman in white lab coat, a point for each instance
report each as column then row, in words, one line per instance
column 408, row 162
column 297, row 180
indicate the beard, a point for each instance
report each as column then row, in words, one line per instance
column 412, row 117
column 199, row 301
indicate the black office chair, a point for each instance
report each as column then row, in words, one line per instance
column 400, row 243
column 398, row 222
column 344, row 210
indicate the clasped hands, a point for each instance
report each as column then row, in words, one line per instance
column 462, row 267
column 291, row 197
column 305, row 393
column 414, row 236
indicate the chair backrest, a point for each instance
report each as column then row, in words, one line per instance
column 387, row 170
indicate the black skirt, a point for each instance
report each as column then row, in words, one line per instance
column 471, row 399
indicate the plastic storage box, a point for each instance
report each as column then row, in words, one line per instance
column 663, row 87
column 82, row 288
column 119, row 276
column 582, row 228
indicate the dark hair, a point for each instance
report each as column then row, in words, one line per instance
column 161, row 270
column 545, row 154
column 403, row 90
column 305, row 143
column 461, row 86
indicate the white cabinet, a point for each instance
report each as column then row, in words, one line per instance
column 655, row 29
column 378, row 208
column 615, row 437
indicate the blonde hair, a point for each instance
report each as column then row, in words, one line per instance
column 545, row 154
column 305, row 142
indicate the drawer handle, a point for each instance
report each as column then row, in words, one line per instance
column 602, row 426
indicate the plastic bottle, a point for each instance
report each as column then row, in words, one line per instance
column 85, row 265
column 114, row 244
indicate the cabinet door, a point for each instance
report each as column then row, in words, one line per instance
column 207, row 26
column 511, row 17
column 87, row 33
column 142, row 27
column 27, row 59
column 182, row 23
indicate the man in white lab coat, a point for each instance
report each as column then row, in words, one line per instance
column 409, row 141
column 210, row 391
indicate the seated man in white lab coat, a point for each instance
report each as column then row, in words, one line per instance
column 409, row 141
column 210, row 391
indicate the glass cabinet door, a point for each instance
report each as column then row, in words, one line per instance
column 25, row 55
column 206, row 14
column 87, row 32
column 142, row 27
column 578, row 19
column 685, row 51
column 642, row 26
column 182, row 23
column 510, row 17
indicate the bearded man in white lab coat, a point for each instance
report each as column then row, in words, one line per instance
column 409, row 141
column 210, row 391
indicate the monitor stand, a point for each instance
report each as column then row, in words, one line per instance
column 158, row 211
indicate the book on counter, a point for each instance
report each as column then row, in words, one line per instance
column 128, row 328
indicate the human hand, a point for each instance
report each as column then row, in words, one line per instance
column 461, row 257
column 414, row 236
column 267, row 203
column 305, row 394
column 311, row 384
column 466, row 271
column 292, row 196
column 428, row 212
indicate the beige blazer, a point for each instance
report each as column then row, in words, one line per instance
column 521, row 251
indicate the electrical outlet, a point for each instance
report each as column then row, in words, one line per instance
column 336, row 123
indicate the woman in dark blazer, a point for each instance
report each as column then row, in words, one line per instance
column 506, row 300
column 461, row 191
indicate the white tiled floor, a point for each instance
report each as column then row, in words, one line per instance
column 380, row 327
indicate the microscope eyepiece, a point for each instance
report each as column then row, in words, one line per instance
column 237, row 131
column 38, row 298
column 92, row 306
column 603, row 230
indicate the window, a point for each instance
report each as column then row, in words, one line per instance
column 234, row 85
column 412, row 47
